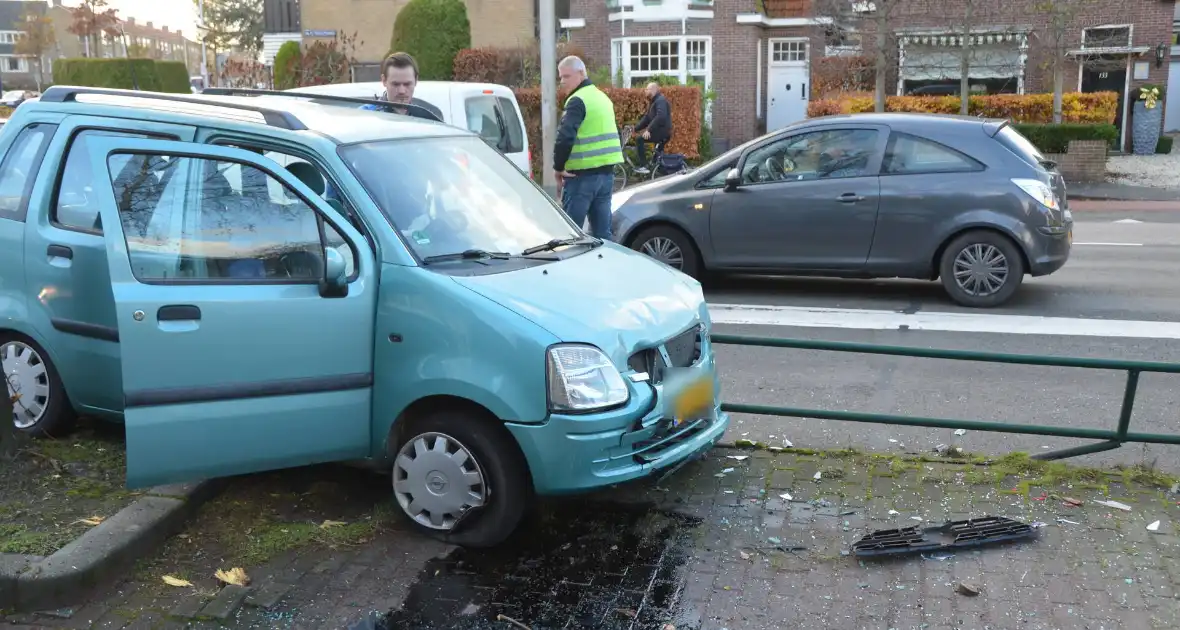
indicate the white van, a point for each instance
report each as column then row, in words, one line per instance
column 488, row 109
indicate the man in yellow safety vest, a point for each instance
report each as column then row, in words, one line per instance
column 586, row 150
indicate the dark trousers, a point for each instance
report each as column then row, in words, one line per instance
column 641, row 149
column 589, row 195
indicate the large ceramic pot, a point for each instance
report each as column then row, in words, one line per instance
column 1145, row 127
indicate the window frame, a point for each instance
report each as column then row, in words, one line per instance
column 321, row 219
column 895, row 135
column 621, row 59
column 22, row 212
column 67, row 151
column 501, row 120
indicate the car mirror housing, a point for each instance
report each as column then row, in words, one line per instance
column 733, row 179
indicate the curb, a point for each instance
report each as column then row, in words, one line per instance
column 102, row 553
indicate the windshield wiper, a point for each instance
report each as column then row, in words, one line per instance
column 470, row 254
column 555, row 243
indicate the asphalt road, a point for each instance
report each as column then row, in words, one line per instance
column 1118, row 297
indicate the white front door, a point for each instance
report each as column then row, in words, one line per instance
column 1172, row 98
column 788, row 82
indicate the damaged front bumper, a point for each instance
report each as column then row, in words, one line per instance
column 577, row 453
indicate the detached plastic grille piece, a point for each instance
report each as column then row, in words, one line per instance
column 952, row 535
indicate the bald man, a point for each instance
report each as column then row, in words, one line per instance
column 655, row 126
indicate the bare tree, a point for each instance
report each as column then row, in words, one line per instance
column 91, row 20
column 36, row 39
column 1059, row 34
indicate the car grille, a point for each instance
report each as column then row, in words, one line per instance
column 683, row 350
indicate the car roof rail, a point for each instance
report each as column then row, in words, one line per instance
column 272, row 117
column 319, row 97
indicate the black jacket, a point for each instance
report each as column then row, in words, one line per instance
column 657, row 120
column 567, row 133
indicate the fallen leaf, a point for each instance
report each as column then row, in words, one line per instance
column 175, row 581
column 330, row 524
column 93, row 520
column 744, row 555
column 1072, row 502
column 626, row 612
column 234, row 576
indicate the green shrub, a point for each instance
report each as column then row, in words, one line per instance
column 173, row 77
column 1050, row 138
column 1164, row 145
column 287, row 62
column 124, row 74
column 433, row 31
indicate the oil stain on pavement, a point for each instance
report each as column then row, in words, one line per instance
column 602, row 566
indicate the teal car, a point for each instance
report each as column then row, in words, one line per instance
column 256, row 283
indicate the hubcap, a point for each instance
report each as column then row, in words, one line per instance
column 981, row 269
column 436, row 480
column 664, row 250
column 28, row 383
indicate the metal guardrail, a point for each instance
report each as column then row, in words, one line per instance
column 1112, row 439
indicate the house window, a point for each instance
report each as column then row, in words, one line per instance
column 639, row 60
column 15, row 64
column 1106, row 37
column 788, row 51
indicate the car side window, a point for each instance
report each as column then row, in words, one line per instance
column 486, row 118
column 76, row 205
column 910, row 155
column 511, row 122
column 185, row 221
column 717, row 180
column 826, row 154
column 18, row 171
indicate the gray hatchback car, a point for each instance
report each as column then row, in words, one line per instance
column 967, row 200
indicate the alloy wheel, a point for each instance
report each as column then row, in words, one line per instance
column 981, row 269
column 27, row 379
column 437, row 480
column 664, row 250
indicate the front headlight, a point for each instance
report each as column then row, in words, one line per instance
column 618, row 199
column 1038, row 190
column 582, row 378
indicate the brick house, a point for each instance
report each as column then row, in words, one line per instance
column 757, row 55
column 144, row 39
column 494, row 23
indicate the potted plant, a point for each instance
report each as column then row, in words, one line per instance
column 1145, row 123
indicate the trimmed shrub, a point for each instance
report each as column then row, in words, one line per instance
column 630, row 105
column 1164, row 145
column 1050, row 138
column 288, row 61
column 433, row 31
column 173, row 77
column 1097, row 107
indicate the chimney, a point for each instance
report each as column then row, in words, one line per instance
column 57, row 3
column 179, row 33
column 165, row 28
column 149, row 25
column 131, row 21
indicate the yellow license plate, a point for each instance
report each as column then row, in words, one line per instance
column 693, row 401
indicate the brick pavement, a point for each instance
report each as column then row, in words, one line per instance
column 718, row 546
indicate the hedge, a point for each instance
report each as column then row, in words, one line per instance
column 1050, row 138
column 630, row 105
column 126, row 74
column 514, row 67
column 287, row 65
column 1096, row 107
column 433, row 31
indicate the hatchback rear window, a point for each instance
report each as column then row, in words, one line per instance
column 494, row 119
column 1015, row 142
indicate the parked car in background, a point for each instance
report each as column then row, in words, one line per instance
column 488, row 109
column 969, row 201
column 13, row 98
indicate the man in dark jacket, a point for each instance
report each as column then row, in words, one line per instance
column 655, row 126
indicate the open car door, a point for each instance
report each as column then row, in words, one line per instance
column 245, row 309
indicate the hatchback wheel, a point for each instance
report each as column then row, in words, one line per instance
column 39, row 404
column 981, row 269
column 461, row 479
column 670, row 246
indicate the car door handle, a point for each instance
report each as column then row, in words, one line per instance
column 59, row 251
column 849, row 198
column 179, row 313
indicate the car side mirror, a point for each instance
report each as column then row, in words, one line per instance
column 733, row 179
column 335, row 283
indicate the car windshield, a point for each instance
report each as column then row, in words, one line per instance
column 451, row 195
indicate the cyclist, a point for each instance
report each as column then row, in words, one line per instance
column 656, row 126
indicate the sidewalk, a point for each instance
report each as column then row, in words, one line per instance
column 1111, row 191
column 718, row 545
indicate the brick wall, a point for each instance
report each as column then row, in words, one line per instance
column 500, row 23
column 1083, row 161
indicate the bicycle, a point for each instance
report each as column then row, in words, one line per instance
column 661, row 163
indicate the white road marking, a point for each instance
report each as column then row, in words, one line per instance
column 1112, row 244
column 858, row 319
column 1127, row 221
